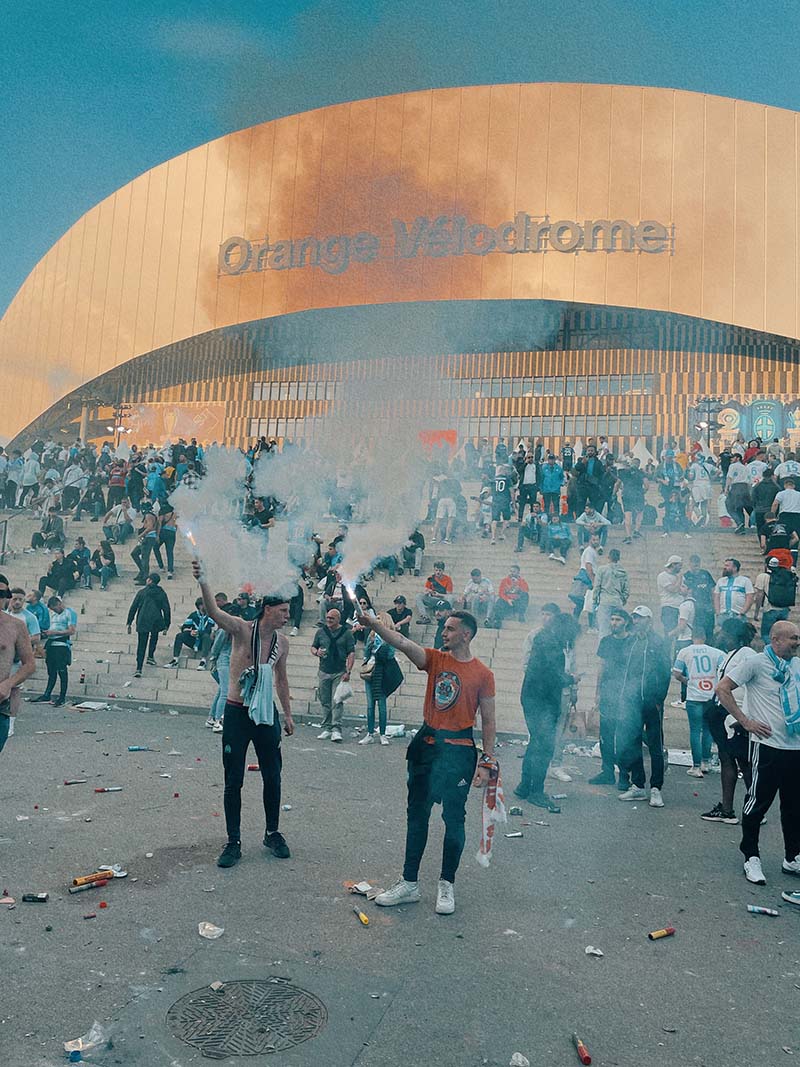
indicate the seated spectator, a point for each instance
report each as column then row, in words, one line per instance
column 533, row 528
column 591, row 522
column 441, row 613
column 51, row 535
column 412, row 553
column 513, row 596
column 91, row 500
column 401, row 615
column 194, row 634
column 60, row 575
column 104, row 564
column 118, row 522
column 437, row 587
column 386, row 563
column 80, row 557
column 478, row 597
column 559, row 538
column 334, row 596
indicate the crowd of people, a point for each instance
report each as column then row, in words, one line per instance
column 744, row 701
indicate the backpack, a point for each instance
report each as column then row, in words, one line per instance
column 782, row 588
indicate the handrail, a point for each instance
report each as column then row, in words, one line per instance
column 3, row 540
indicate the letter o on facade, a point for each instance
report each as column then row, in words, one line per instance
column 231, row 263
column 480, row 239
column 566, row 236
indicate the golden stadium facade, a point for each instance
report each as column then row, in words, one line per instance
column 571, row 258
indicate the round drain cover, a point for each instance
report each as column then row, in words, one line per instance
column 247, row 1018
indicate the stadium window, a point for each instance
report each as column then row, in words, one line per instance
column 580, row 386
column 614, row 384
column 591, row 386
column 293, row 390
column 256, row 395
column 602, row 385
column 517, row 387
column 496, row 387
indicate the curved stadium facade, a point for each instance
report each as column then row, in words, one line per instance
column 570, row 259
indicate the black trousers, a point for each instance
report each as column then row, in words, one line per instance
column 643, row 721
column 528, row 494
column 143, row 639
column 58, row 658
column 608, row 740
column 296, row 607
column 774, row 770
column 542, row 722
column 238, row 731
column 442, row 776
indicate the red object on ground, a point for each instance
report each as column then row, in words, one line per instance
column 102, row 904
column 582, row 1050
column 252, row 766
column 174, row 795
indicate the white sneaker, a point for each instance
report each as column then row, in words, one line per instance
column 791, row 898
column 384, row 739
column 217, row 727
column 552, row 556
column 172, row 663
column 792, row 866
column 753, row 872
column 210, row 723
column 336, row 735
column 656, row 800
column 559, row 774
column 677, row 703
column 324, row 735
column 201, row 666
column 294, row 632
column 633, row 792
column 445, row 898
column 695, row 772
column 705, row 767
column 366, row 740
column 402, row 892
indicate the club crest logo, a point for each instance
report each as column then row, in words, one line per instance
column 446, row 690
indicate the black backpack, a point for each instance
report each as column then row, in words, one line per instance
column 649, row 515
column 782, row 589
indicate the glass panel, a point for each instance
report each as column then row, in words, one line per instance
column 571, row 382
column 538, row 387
column 591, row 386
column 602, row 385
column 497, row 386
column 292, row 390
column 614, row 384
column 505, row 389
column 517, row 387
column 558, row 387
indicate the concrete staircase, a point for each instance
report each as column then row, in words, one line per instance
column 105, row 652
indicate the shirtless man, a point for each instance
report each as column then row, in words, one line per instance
column 251, row 714
column 15, row 646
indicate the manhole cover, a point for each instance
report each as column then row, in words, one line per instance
column 247, row 1018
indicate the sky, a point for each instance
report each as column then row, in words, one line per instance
column 93, row 93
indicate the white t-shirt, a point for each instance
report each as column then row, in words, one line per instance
column 28, row 618
column 764, row 697
column 789, row 468
column 669, row 589
column 788, row 501
column 730, row 659
column 756, row 468
column 732, row 593
column 589, row 556
column 737, row 472
column 698, row 664
column 686, row 614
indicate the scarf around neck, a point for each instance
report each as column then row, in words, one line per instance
column 787, row 677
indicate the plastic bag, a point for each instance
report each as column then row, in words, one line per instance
column 95, row 1038
column 342, row 692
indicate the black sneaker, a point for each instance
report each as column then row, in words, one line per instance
column 230, row 855
column 718, row 814
column 277, row 845
column 603, row 779
column 41, row 699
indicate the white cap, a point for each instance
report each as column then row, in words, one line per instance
column 642, row 611
column 673, row 559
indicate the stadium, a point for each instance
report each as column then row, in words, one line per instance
column 567, row 258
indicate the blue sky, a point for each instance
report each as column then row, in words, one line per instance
column 95, row 93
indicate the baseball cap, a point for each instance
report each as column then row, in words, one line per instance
column 673, row 559
column 441, row 605
column 550, row 609
column 642, row 611
column 399, row 599
column 772, row 562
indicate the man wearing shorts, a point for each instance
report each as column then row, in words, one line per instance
column 633, row 484
column 501, row 500
column 442, row 757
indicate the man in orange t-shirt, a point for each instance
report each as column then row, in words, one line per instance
column 442, row 757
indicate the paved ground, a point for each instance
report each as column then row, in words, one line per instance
column 508, row 972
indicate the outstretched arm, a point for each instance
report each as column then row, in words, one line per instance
column 415, row 652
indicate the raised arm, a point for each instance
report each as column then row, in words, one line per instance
column 409, row 648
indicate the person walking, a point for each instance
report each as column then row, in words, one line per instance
column 257, row 675
column 733, row 594
column 735, row 638
column 671, row 593
column 772, row 680
column 543, row 684
column 167, row 532
column 147, row 543
column 151, row 612
column 610, row 592
column 696, row 668
column 335, row 648
column 644, row 687
column 442, row 758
